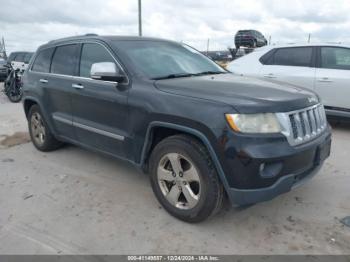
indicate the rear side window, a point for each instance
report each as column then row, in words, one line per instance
column 267, row 59
column 42, row 61
column 299, row 56
column 90, row 54
column 335, row 58
column 64, row 60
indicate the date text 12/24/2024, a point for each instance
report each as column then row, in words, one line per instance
column 173, row 258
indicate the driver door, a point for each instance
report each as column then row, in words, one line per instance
column 100, row 112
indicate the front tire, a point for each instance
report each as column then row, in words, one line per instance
column 40, row 134
column 184, row 179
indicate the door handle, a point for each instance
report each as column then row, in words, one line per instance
column 77, row 86
column 270, row 75
column 325, row 80
column 44, row 81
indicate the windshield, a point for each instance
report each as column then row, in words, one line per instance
column 161, row 59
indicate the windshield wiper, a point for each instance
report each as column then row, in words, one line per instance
column 210, row 73
column 189, row 75
column 173, row 76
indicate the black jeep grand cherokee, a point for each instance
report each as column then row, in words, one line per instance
column 199, row 131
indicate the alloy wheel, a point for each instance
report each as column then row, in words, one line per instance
column 179, row 181
column 38, row 129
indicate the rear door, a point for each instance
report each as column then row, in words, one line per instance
column 293, row 65
column 333, row 77
column 99, row 107
column 58, row 88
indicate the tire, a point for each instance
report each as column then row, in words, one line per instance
column 39, row 131
column 15, row 99
column 10, row 85
column 184, row 179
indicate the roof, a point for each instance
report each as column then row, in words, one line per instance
column 104, row 38
column 304, row 44
column 21, row 52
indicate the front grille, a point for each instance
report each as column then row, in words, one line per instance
column 303, row 125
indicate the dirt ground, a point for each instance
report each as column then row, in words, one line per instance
column 72, row 201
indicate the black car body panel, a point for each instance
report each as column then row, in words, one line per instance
column 3, row 70
column 246, row 95
column 125, row 119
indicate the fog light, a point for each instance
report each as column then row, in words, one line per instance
column 268, row 170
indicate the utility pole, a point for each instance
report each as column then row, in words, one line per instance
column 3, row 48
column 140, row 19
column 208, row 46
column 309, row 38
column 269, row 40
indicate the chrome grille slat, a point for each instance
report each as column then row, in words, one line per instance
column 306, row 123
column 298, row 124
column 301, row 126
column 314, row 111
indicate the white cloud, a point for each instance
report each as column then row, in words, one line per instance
column 30, row 23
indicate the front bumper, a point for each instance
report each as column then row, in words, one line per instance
column 268, row 170
column 242, row 197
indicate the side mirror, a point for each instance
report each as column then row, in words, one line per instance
column 106, row 71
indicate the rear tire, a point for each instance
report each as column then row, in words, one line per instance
column 184, row 179
column 13, row 92
column 39, row 131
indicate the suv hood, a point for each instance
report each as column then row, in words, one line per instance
column 245, row 94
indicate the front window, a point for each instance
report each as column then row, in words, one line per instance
column 335, row 58
column 160, row 59
column 90, row 54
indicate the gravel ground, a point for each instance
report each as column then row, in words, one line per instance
column 72, row 201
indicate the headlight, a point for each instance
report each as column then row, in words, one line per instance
column 254, row 123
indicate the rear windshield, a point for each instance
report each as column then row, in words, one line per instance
column 11, row 57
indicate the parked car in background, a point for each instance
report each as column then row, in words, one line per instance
column 223, row 55
column 3, row 69
column 197, row 129
column 249, row 38
column 19, row 60
column 236, row 53
column 323, row 68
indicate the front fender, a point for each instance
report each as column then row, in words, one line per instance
column 198, row 134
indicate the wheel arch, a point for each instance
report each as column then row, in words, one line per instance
column 178, row 129
column 28, row 102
